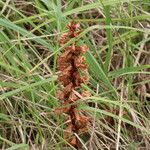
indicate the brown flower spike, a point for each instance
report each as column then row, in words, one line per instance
column 70, row 64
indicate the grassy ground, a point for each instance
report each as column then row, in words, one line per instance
column 117, row 33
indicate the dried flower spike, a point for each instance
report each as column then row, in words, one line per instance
column 69, row 63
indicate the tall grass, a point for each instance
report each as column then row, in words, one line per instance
column 117, row 33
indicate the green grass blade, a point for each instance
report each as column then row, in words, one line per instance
column 19, row 147
column 127, row 70
column 14, row 92
column 8, row 24
column 109, row 39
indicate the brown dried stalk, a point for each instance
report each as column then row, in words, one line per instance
column 69, row 63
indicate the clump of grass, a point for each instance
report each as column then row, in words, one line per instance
column 117, row 34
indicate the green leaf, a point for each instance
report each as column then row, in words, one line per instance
column 97, row 70
column 115, row 117
column 19, row 147
column 127, row 70
column 16, row 91
column 10, row 25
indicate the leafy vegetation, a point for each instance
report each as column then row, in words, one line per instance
column 117, row 33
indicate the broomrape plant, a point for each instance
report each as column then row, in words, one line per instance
column 71, row 64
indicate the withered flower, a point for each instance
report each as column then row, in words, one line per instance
column 86, row 94
column 70, row 64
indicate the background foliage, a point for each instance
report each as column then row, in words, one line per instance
column 117, row 33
